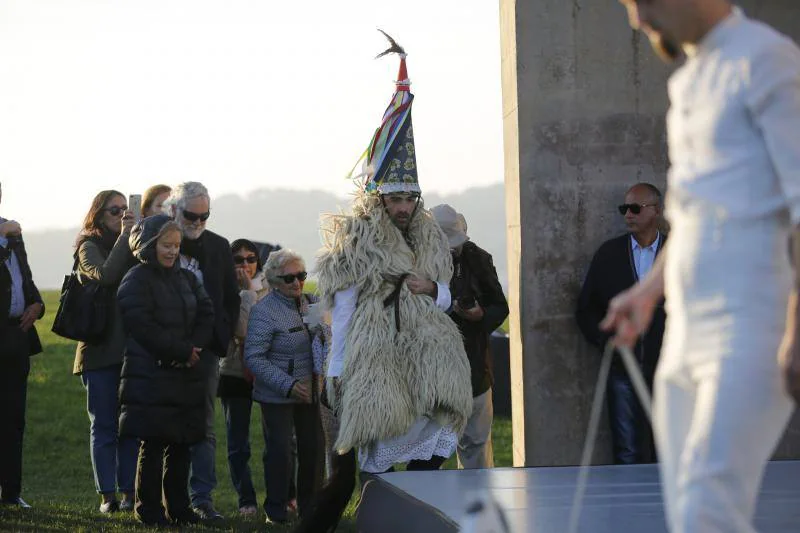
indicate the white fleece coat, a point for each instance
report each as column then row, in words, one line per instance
column 391, row 378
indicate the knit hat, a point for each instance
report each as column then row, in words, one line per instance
column 389, row 163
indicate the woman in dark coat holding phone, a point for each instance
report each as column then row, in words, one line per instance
column 168, row 318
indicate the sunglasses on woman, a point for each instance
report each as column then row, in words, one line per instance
column 194, row 217
column 116, row 210
column 635, row 208
column 240, row 260
column 289, row 278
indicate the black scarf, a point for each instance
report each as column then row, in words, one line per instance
column 194, row 248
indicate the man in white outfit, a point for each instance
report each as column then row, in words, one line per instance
column 731, row 356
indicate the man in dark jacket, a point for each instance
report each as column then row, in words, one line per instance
column 209, row 257
column 479, row 308
column 618, row 264
column 20, row 306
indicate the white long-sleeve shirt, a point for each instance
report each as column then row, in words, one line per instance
column 344, row 305
column 733, row 193
column 733, row 123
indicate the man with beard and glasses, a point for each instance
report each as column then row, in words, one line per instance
column 731, row 359
column 208, row 256
column 616, row 266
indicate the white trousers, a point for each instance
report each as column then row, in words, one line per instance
column 475, row 445
column 716, row 425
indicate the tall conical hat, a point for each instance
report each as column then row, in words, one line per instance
column 389, row 163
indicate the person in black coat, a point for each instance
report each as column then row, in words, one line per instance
column 208, row 256
column 167, row 316
column 20, row 306
column 618, row 264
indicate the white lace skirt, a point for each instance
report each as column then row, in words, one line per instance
column 425, row 439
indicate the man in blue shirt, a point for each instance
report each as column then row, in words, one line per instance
column 20, row 306
column 618, row 264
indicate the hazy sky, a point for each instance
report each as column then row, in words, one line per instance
column 240, row 95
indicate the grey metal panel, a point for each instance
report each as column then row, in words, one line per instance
column 619, row 499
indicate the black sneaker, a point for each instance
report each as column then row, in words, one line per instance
column 207, row 513
column 187, row 519
column 276, row 521
column 17, row 502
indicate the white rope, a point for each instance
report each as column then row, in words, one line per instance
column 594, row 421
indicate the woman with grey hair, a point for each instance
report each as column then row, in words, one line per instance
column 278, row 352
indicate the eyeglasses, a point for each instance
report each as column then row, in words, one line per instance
column 116, row 210
column 194, row 217
column 239, row 260
column 635, row 208
column 289, row 278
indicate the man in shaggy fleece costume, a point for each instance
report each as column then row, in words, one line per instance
column 401, row 376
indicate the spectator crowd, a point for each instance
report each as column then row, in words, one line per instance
column 193, row 317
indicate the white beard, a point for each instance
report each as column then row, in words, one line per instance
column 191, row 232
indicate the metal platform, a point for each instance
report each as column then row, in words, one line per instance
column 619, row 499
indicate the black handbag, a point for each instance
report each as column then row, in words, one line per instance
column 84, row 309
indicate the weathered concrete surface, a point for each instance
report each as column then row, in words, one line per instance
column 584, row 100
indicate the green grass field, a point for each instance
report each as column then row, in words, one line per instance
column 57, row 474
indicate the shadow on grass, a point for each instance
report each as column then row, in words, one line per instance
column 57, row 470
column 64, row 518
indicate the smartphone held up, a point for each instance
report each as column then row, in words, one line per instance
column 135, row 206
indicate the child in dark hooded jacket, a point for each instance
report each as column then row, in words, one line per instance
column 168, row 319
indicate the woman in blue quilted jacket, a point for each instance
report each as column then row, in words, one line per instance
column 278, row 353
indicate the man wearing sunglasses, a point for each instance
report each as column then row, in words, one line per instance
column 208, row 256
column 618, row 264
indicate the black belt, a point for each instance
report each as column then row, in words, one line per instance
column 395, row 298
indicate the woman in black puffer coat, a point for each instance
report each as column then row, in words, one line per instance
column 168, row 319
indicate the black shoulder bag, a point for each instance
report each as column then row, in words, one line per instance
column 84, row 309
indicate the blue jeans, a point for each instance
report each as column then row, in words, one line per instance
column 237, row 421
column 204, row 477
column 113, row 456
column 630, row 432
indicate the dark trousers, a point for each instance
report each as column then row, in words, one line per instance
column 237, row 423
column 330, row 502
column 15, row 365
column 277, row 421
column 630, row 432
column 163, row 464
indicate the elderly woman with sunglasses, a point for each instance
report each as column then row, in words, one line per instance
column 278, row 352
column 102, row 254
column 235, row 381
